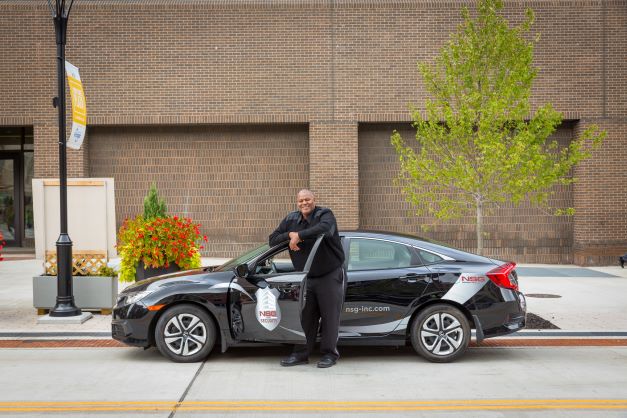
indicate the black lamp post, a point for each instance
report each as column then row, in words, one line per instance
column 65, row 297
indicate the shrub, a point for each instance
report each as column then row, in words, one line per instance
column 154, row 206
column 106, row 271
column 158, row 242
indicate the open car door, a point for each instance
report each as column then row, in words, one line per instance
column 266, row 299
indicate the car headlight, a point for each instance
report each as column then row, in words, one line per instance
column 134, row 297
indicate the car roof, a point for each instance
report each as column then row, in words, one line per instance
column 424, row 243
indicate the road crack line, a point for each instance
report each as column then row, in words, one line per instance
column 189, row 386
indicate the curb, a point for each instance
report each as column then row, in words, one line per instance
column 493, row 343
column 565, row 333
column 70, row 335
column 104, row 340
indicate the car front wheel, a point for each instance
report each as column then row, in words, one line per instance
column 440, row 333
column 185, row 334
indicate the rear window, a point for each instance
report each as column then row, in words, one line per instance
column 429, row 258
column 369, row 254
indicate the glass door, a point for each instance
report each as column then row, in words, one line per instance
column 9, row 198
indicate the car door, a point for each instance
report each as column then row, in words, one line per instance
column 250, row 317
column 384, row 279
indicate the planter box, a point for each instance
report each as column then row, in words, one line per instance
column 142, row 273
column 90, row 292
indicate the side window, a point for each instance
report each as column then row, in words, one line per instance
column 368, row 254
column 429, row 258
column 277, row 263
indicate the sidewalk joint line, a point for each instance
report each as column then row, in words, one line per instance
column 189, row 386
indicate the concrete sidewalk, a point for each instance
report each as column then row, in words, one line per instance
column 571, row 297
column 17, row 314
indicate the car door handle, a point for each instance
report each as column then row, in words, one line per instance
column 410, row 278
column 432, row 278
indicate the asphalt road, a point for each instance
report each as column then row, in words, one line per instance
column 372, row 382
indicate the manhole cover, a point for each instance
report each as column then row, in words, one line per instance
column 542, row 295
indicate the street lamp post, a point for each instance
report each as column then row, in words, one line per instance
column 65, row 297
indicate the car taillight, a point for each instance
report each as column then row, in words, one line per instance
column 504, row 276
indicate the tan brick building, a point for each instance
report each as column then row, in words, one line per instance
column 231, row 106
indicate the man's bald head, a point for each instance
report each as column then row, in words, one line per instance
column 306, row 201
column 306, row 192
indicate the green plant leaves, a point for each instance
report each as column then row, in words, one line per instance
column 154, row 206
column 479, row 143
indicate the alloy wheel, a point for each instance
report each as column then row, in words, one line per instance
column 442, row 334
column 185, row 334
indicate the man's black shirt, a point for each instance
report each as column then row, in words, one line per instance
column 330, row 254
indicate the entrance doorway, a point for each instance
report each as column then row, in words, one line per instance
column 16, row 197
column 9, row 198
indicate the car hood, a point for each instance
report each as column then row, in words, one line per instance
column 198, row 276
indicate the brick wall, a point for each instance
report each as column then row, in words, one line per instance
column 600, row 227
column 331, row 64
column 523, row 234
column 238, row 182
column 46, row 142
column 334, row 169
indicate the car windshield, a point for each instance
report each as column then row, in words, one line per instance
column 244, row 258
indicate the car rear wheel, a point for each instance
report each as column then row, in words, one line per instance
column 185, row 334
column 440, row 333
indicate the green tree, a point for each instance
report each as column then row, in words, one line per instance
column 154, row 206
column 478, row 143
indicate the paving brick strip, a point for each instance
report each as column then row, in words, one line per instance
column 87, row 343
column 497, row 342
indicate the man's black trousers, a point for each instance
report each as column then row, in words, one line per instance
column 323, row 306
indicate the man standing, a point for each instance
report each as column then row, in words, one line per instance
column 325, row 281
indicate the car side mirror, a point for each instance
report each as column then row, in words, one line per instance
column 242, row 271
column 262, row 284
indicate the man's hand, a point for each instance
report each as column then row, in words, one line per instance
column 294, row 240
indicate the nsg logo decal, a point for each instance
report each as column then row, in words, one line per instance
column 268, row 310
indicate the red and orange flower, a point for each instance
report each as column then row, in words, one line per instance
column 158, row 242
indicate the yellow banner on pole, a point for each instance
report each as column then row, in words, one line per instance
column 79, row 107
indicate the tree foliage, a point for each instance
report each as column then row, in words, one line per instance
column 154, row 206
column 479, row 144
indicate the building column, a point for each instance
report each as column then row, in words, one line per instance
column 600, row 197
column 334, row 171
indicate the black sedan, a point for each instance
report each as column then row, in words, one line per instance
column 400, row 289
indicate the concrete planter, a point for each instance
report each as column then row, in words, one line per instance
column 90, row 292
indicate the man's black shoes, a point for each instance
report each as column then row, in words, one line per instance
column 294, row 360
column 327, row 361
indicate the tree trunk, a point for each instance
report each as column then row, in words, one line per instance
column 479, row 228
